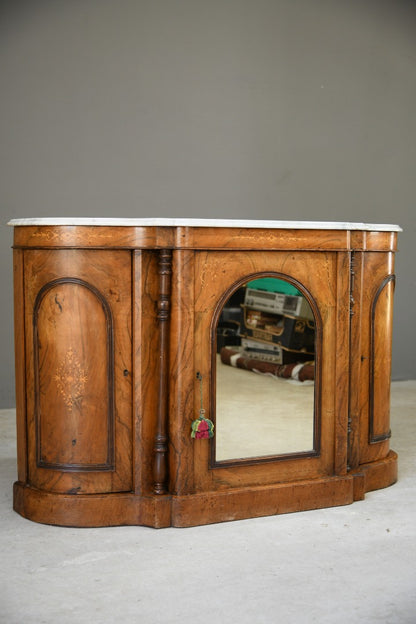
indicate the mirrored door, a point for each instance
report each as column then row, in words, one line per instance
column 264, row 372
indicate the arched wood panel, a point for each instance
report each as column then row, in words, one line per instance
column 380, row 361
column 74, row 377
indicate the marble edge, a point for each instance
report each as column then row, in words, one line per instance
column 172, row 222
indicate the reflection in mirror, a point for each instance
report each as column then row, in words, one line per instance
column 265, row 372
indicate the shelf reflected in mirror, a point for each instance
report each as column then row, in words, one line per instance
column 264, row 373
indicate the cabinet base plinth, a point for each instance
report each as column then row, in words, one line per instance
column 91, row 510
column 98, row 510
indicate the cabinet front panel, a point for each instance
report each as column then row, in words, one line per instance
column 79, row 353
column 327, row 288
column 377, row 289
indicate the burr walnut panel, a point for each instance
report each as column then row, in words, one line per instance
column 372, row 319
column 74, row 377
column 380, row 361
column 78, row 356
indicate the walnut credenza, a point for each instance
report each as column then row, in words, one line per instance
column 114, row 318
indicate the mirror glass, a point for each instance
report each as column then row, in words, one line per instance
column 265, row 372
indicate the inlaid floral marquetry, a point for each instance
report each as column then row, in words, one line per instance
column 70, row 379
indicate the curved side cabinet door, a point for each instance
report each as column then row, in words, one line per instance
column 78, row 363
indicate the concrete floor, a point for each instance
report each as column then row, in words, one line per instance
column 354, row 564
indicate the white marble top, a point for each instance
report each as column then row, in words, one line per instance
column 167, row 222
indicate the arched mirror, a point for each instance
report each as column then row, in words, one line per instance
column 265, row 373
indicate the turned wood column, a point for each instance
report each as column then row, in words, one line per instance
column 160, row 467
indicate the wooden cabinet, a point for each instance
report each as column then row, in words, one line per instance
column 115, row 324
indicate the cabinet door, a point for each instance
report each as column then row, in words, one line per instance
column 78, row 352
column 324, row 280
column 371, row 327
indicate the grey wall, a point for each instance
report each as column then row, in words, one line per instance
column 269, row 109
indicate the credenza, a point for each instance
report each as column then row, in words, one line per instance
column 115, row 341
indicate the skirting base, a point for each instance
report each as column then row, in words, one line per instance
column 99, row 510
